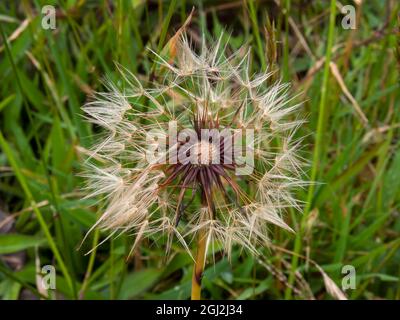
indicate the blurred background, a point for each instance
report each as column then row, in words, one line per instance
column 342, row 59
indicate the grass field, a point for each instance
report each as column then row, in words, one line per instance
column 347, row 78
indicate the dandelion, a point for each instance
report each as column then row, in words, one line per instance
column 204, row 152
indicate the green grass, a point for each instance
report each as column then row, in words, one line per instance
column 351, row 215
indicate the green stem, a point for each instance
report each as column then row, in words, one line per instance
column 286, row 73
column 256, row 33
column 165, row 26
column 89, row 268
column 317, row 149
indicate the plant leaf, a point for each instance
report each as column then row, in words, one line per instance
column 10, row 243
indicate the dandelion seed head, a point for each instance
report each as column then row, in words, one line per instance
column 210, row 88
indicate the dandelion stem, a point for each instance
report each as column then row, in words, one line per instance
column 200, row 261
column 198, row 267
